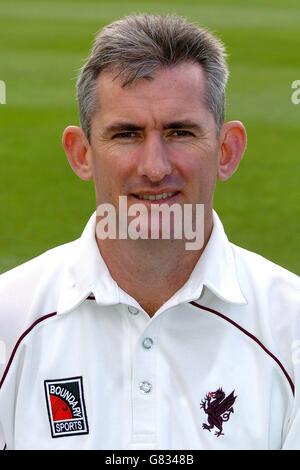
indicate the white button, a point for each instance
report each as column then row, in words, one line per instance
column 145, row 387
column 133, row 310
column 148, row 343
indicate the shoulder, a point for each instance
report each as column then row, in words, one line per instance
column 264, row 274
column 269, row 286
column 273, row 292
column 29, row 292
column 272, row 312
column 23, row 280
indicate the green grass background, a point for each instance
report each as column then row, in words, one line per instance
column 42, row 46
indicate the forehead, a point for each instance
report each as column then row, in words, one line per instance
column 178, row 89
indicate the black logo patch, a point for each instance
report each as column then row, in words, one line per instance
column 66, row 408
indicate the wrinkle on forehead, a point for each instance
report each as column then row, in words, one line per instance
column 177, row 91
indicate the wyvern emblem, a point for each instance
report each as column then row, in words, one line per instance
column 218, row 408
column 66, row 408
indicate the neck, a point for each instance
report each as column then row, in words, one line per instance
column 151, row 271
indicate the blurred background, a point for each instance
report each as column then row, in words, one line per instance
column 42, row 46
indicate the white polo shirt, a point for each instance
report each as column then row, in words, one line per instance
column 84, row 367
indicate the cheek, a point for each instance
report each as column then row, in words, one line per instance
column 111, row 171
column 199, row 171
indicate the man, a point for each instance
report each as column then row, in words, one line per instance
column 119, row 342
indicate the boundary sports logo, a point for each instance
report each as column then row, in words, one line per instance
column 66, row 407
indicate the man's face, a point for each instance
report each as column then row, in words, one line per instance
column 155, row 138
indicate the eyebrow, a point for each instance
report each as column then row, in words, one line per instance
column 185, row 124
column 127, row 126
column 121, row 126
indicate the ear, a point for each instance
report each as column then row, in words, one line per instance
column 233, row 140
column 78, row 152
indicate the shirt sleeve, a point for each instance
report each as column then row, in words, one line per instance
column 292, row 441
column 2, row 440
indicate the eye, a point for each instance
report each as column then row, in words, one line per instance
column 125, row 135
column 181, row 133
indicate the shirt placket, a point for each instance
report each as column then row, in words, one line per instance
column 144, row 387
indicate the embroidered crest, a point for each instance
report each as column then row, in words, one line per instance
column 218, row 408
column 66, row 407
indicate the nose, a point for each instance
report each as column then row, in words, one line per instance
column 153, row 161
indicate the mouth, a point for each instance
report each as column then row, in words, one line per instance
column 156, row 198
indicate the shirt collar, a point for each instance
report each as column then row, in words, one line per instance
column 87, row 274
column 215, row 269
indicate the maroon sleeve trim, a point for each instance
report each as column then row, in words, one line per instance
column 39, row 320
column 252, row 337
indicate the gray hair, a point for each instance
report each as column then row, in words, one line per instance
column 138, row 45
